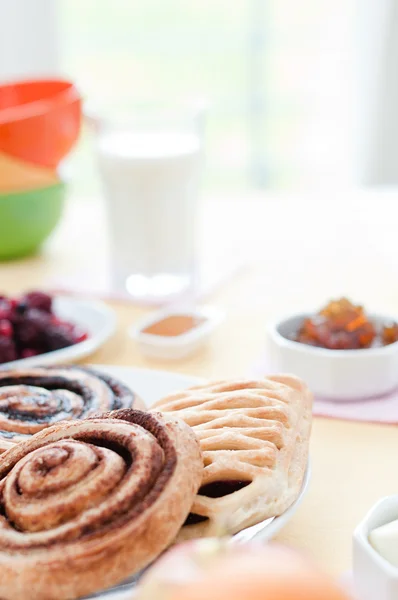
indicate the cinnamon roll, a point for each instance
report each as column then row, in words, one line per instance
column 32, row 399
column 84, row 504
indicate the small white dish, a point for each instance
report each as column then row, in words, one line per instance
column 334, row 374
column 94, row 317
column 374, row 577
column 151, row 386
column 174, row 347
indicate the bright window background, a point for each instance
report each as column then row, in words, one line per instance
column 277, row 75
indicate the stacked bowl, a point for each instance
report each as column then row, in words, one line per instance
column 39, row 124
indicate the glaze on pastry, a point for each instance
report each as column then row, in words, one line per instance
column 85, row 504
column 32, row 399
column 254, row 436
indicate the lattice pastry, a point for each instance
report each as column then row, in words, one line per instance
column 254, row 436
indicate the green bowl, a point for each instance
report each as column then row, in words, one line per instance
column 28, row 218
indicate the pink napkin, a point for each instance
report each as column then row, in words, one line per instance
column 379, row 409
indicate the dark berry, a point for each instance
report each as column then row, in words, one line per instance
column 17, row 312
column 31, row 328
column 64, row 324
column 29, row 352
column 21, row 308
column 57, row 337
column 39, row 300
column 6, row 329
column 14, row 302
column 7, row 350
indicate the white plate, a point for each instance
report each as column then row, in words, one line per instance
column 151, row 386
column 94, row 317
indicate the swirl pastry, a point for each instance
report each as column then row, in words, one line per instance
column 32, row 399
column 84, row 504
column 254, row 436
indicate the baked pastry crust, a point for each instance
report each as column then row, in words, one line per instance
column 85, row 504
column 32, row 399
column 254, row 435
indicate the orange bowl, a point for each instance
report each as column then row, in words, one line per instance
column 39, row 120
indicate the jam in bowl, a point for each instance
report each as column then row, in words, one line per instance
column 342, row 352
column 342, row 325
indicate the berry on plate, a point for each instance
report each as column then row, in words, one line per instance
column 29, row 327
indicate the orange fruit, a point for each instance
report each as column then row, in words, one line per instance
column 246, row 572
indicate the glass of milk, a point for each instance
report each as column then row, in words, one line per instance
column 150, row 169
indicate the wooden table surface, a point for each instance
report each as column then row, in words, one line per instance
column 300, row 251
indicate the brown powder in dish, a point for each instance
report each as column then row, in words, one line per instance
column 174, row 325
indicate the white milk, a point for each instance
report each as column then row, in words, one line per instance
column 150, row 181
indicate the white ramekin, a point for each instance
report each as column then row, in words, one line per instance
column 334, row 374
column 176, row 347
column 374, row 577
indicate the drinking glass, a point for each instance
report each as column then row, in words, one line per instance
column 150, row 167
